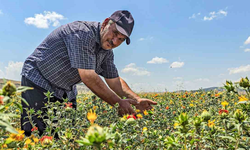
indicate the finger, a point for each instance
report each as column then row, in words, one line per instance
column 152, row 102
column 121, row 112
column 133, row 102
column 132, row 111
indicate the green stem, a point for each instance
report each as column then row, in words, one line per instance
column 185, row 146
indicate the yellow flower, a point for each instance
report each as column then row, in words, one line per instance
column 225, row 103
column 125, row 116
column 32, row 144
column 17, row 137
column 176, row 124
column 191, row 105
column 91, row 116
column 28, row 141
column 36, row 140
column 6, row 108
column 137, row 110
column 110, row 107
column 139, row 116
column 144, row 129
column 145, row 112
column 17, row 110
column 211, row 123
column 242, row 99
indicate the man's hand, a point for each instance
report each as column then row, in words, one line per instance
column 145, row 104
column 125, row 106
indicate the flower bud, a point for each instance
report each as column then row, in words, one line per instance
column 244, row 82
column 205, row 115
column 131, row 121
column 9, row 89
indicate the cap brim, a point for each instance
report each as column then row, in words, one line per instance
column 122, row 31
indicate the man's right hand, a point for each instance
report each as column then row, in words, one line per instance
column 125, row 106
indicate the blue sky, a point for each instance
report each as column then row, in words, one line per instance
column 174, row 45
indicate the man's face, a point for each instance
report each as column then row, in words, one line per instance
column 110, row 37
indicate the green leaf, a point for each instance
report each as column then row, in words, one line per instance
column 23, row 88
column 23, row 100
column 8, row 127
column 228, row 137
column 19, row 106
column 84, row 142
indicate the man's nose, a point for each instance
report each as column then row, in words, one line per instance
column 115, row 41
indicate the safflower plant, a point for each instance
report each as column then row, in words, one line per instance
column 181, row 120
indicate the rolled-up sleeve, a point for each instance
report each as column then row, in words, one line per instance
column 109, row 68
column 80, row 51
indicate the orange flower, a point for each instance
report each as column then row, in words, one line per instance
column 91, row 116
column 167, row 107
column 68, row 105
column 174, row 112
column 183, row 107
column 216, row 95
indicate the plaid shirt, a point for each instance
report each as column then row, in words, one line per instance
column 55, row 62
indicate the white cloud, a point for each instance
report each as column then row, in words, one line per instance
column 247, row 50
column 12, row 71
column 45, row 20
column 177, row 78
column 158, row 60
column 134, row 70
column 1, row 12
column 212, row 15
column 240, row 69
column 202, row 80
column 147, row 38
column 176, row 64
column 194, row 16
column 247, row 41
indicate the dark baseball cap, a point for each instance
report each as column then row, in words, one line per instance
column 124, row 23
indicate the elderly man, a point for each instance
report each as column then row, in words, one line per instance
column 80, row 52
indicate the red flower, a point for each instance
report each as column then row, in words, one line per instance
column 46, row 140
column 34, row 129
column 223, row 111
column 68, row 105
column 1, row 100
column 131, row 116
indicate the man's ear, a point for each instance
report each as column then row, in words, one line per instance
column 105, row 22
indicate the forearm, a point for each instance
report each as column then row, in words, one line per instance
column 125, row 91
column 97, row 86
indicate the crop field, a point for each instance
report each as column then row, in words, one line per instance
column 181, row 120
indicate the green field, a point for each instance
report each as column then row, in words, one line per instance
column 184, row 120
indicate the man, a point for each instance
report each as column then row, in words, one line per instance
column 80, row 52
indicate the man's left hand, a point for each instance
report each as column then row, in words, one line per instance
column 145, row 104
